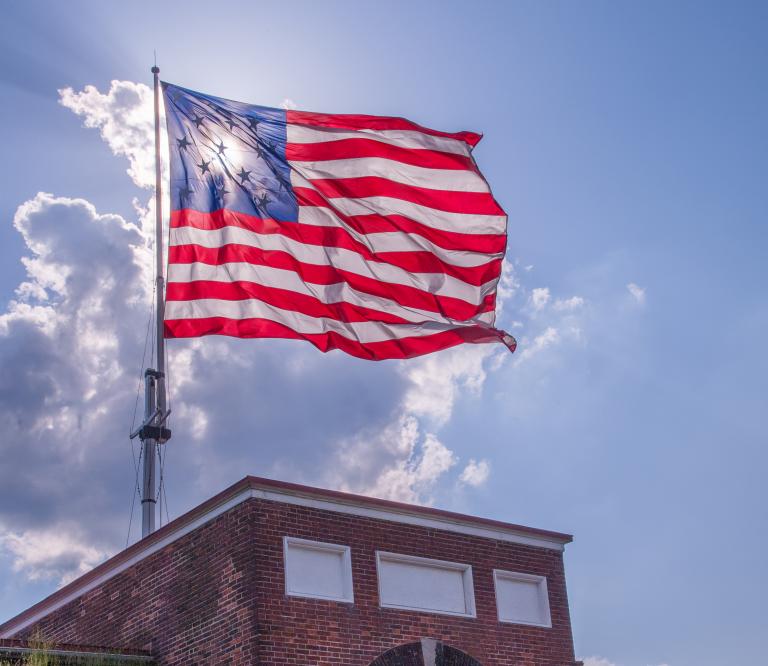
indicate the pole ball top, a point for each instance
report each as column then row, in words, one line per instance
column 155, row 70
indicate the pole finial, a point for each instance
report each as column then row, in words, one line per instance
column 155, row 70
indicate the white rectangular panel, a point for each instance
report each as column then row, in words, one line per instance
column 318, row 570
column 422, row 584
column 522, row 598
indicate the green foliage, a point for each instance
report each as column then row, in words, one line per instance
column 39, row 655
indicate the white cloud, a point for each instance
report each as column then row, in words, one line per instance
column 288, row 104
column 596, row 661
column 58, row 553
column 437, row 380
column 568, row 304
column 406, row 459
column 547, row 338
column 476, row 473
column 125, row 117
column 66, row 345
column 539, row 298
column 638, row 293
column 411, row 479
column 508, row 286
column 396, row 462
column 602, row 661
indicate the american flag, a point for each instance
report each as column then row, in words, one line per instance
column 368, row 234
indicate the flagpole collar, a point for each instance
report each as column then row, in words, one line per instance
column 155, row 70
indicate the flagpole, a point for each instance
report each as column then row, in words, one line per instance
column 159, row 279
column 153, row 431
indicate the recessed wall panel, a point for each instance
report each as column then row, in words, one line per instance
column 423, row 584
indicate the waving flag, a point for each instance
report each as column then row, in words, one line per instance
column 368, row 234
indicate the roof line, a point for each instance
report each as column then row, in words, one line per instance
column 281, row 491
column 347, row 498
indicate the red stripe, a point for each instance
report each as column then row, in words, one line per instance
column 448, row 306
column 371, row 224
column 471, row 203
column 376, row 351
column 346, row 149
column 354, row 122
column 413, row 262
column 280, row 298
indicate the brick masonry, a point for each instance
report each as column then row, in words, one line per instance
column 217, row 596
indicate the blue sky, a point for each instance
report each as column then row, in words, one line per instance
column 627, row 143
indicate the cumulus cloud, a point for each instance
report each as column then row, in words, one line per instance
column 476, row 473
column 405, row 459
column 396, row 461
column 435, row 382
column 66, row 342
column 411, row 479
column 125, row 117
column 58, row 553
column 288, row 104
column 638, row 293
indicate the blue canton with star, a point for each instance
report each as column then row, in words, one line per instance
column 226, row 154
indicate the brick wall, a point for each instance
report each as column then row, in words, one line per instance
column 216, row 596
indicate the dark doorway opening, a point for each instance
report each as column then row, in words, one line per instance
column 426, row 652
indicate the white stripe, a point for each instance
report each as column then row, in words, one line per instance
column 438, row 284
column 394, row 241
column 463, row 223
column 435, row 179
column 364, row 332
column 401, row 138
column 325, row 293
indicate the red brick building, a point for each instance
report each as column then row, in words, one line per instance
column 281, row 574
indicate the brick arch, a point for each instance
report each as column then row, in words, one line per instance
column 426, row 652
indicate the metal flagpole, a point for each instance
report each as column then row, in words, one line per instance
column 159, row 279
column 153, row 431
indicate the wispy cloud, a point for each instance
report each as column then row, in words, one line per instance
column 546, row 339
column 568, row 304
column 596, row 661
column 602, row 661
column 539, row 298
column 637, row 293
